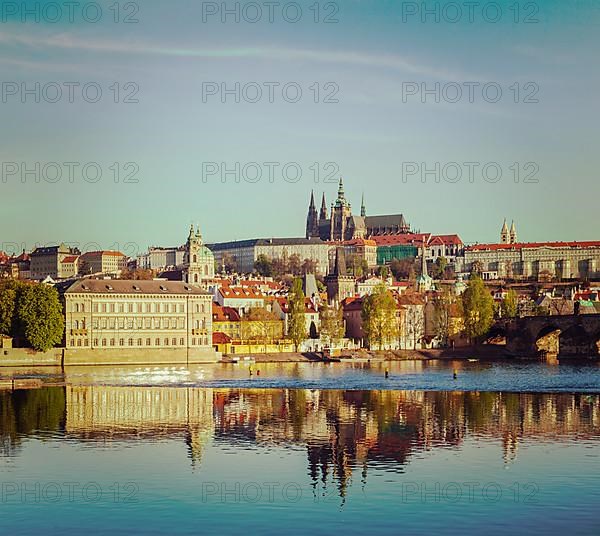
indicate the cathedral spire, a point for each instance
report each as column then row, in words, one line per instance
column 312, row 200
column 363, row 210
column 323, row 214
column 341, row 189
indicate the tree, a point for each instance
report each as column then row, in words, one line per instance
column 296, row 313
column 259, row 325
column 379, row 321
column 356, row 265
column 383, row 272
column 440, row 267
column 295, row 264
column 140, row 274
column 308, row 267
column 40, row 317
column 8, row 301
column 263, row 266
column 442, row 303
column 332, row 324
column 403, row 269
column 508, row 307
column 229, row 263
column 478, row 307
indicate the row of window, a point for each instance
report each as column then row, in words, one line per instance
column 139, row 323
column 139, row 342
column 149, row 307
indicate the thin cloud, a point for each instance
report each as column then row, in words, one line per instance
column 395, row 62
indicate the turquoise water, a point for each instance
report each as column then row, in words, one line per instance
column 104, row 457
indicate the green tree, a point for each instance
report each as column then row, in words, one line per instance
column 379, row 321
column 441, row 264
column 478, row 308
column 296, row 313
column 8, row 301
column 40, row 317
column 509, row 304
column 263, row 266
column 383, row 272
column 332, row 324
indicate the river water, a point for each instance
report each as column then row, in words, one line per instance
column 304, row 448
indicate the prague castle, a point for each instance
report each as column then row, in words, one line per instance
column 339, row 224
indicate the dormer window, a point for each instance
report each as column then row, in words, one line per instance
column 163, row 288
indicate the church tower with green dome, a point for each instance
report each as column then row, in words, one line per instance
column 199, row 261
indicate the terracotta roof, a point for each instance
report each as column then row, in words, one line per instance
column 103, row 253
column 70, row 259
column 309, row 307
column 224, row 314
column 534, row 245
column 447, row 240
column 402, row 239
column 128, row 286
column 241, row 293
column 218, row 337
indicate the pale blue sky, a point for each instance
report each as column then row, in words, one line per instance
column 369, row 133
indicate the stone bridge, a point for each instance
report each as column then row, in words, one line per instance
column 565, row 335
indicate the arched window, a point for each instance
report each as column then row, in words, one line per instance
column 195, row 278
column 194, row 259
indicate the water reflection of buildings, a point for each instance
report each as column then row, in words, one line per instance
column 122, row 413
column 344, row 432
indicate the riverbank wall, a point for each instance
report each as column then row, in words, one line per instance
column 60, row 357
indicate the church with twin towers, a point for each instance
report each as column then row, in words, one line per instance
column 338, row 224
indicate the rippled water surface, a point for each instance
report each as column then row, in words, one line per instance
column 476, row 375
column 147, row 453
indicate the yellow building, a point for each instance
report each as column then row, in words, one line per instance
column 138, row 316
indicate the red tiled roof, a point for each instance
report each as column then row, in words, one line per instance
column 534, row 245
column 448, row 240
column 224, row 314
column 70, row 259
column 309, row 307
column 241, row 292
column 401, row 239
column 218, row 337
column 103, row 253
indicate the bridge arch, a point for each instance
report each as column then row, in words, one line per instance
column 548, row 339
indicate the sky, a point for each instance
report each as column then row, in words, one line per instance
column 457, row 116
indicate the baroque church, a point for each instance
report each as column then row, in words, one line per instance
column 199, row 261
column 339, row 224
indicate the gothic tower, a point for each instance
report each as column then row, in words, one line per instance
column 504, row 238
column 363, row 210
column 323, row 214
column 339, row 285
column 312, row 222
column 340, row 214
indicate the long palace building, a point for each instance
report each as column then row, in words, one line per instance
column 125, row 321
